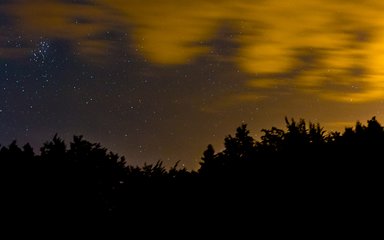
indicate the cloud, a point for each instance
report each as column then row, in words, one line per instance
column 76, row 22
column 315, row 46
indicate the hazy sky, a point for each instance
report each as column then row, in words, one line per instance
column 161, row 79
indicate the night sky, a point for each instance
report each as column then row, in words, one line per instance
column 161, row 79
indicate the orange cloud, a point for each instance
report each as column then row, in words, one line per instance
column 77, row 23
column 320, row 46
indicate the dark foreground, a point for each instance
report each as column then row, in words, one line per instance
column 301, row 173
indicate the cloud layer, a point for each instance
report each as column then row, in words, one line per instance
column 331, row 49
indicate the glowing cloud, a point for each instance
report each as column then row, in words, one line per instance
column 322, row 47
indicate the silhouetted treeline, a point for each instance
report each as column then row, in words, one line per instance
column 85, row 179
column 82, row 179
column 301, row 149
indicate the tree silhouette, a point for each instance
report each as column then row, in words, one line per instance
column 208, row 163
column 271, row 141
column 84, row 179
column 240, row 147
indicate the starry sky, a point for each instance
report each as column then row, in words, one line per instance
column 161, row 79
